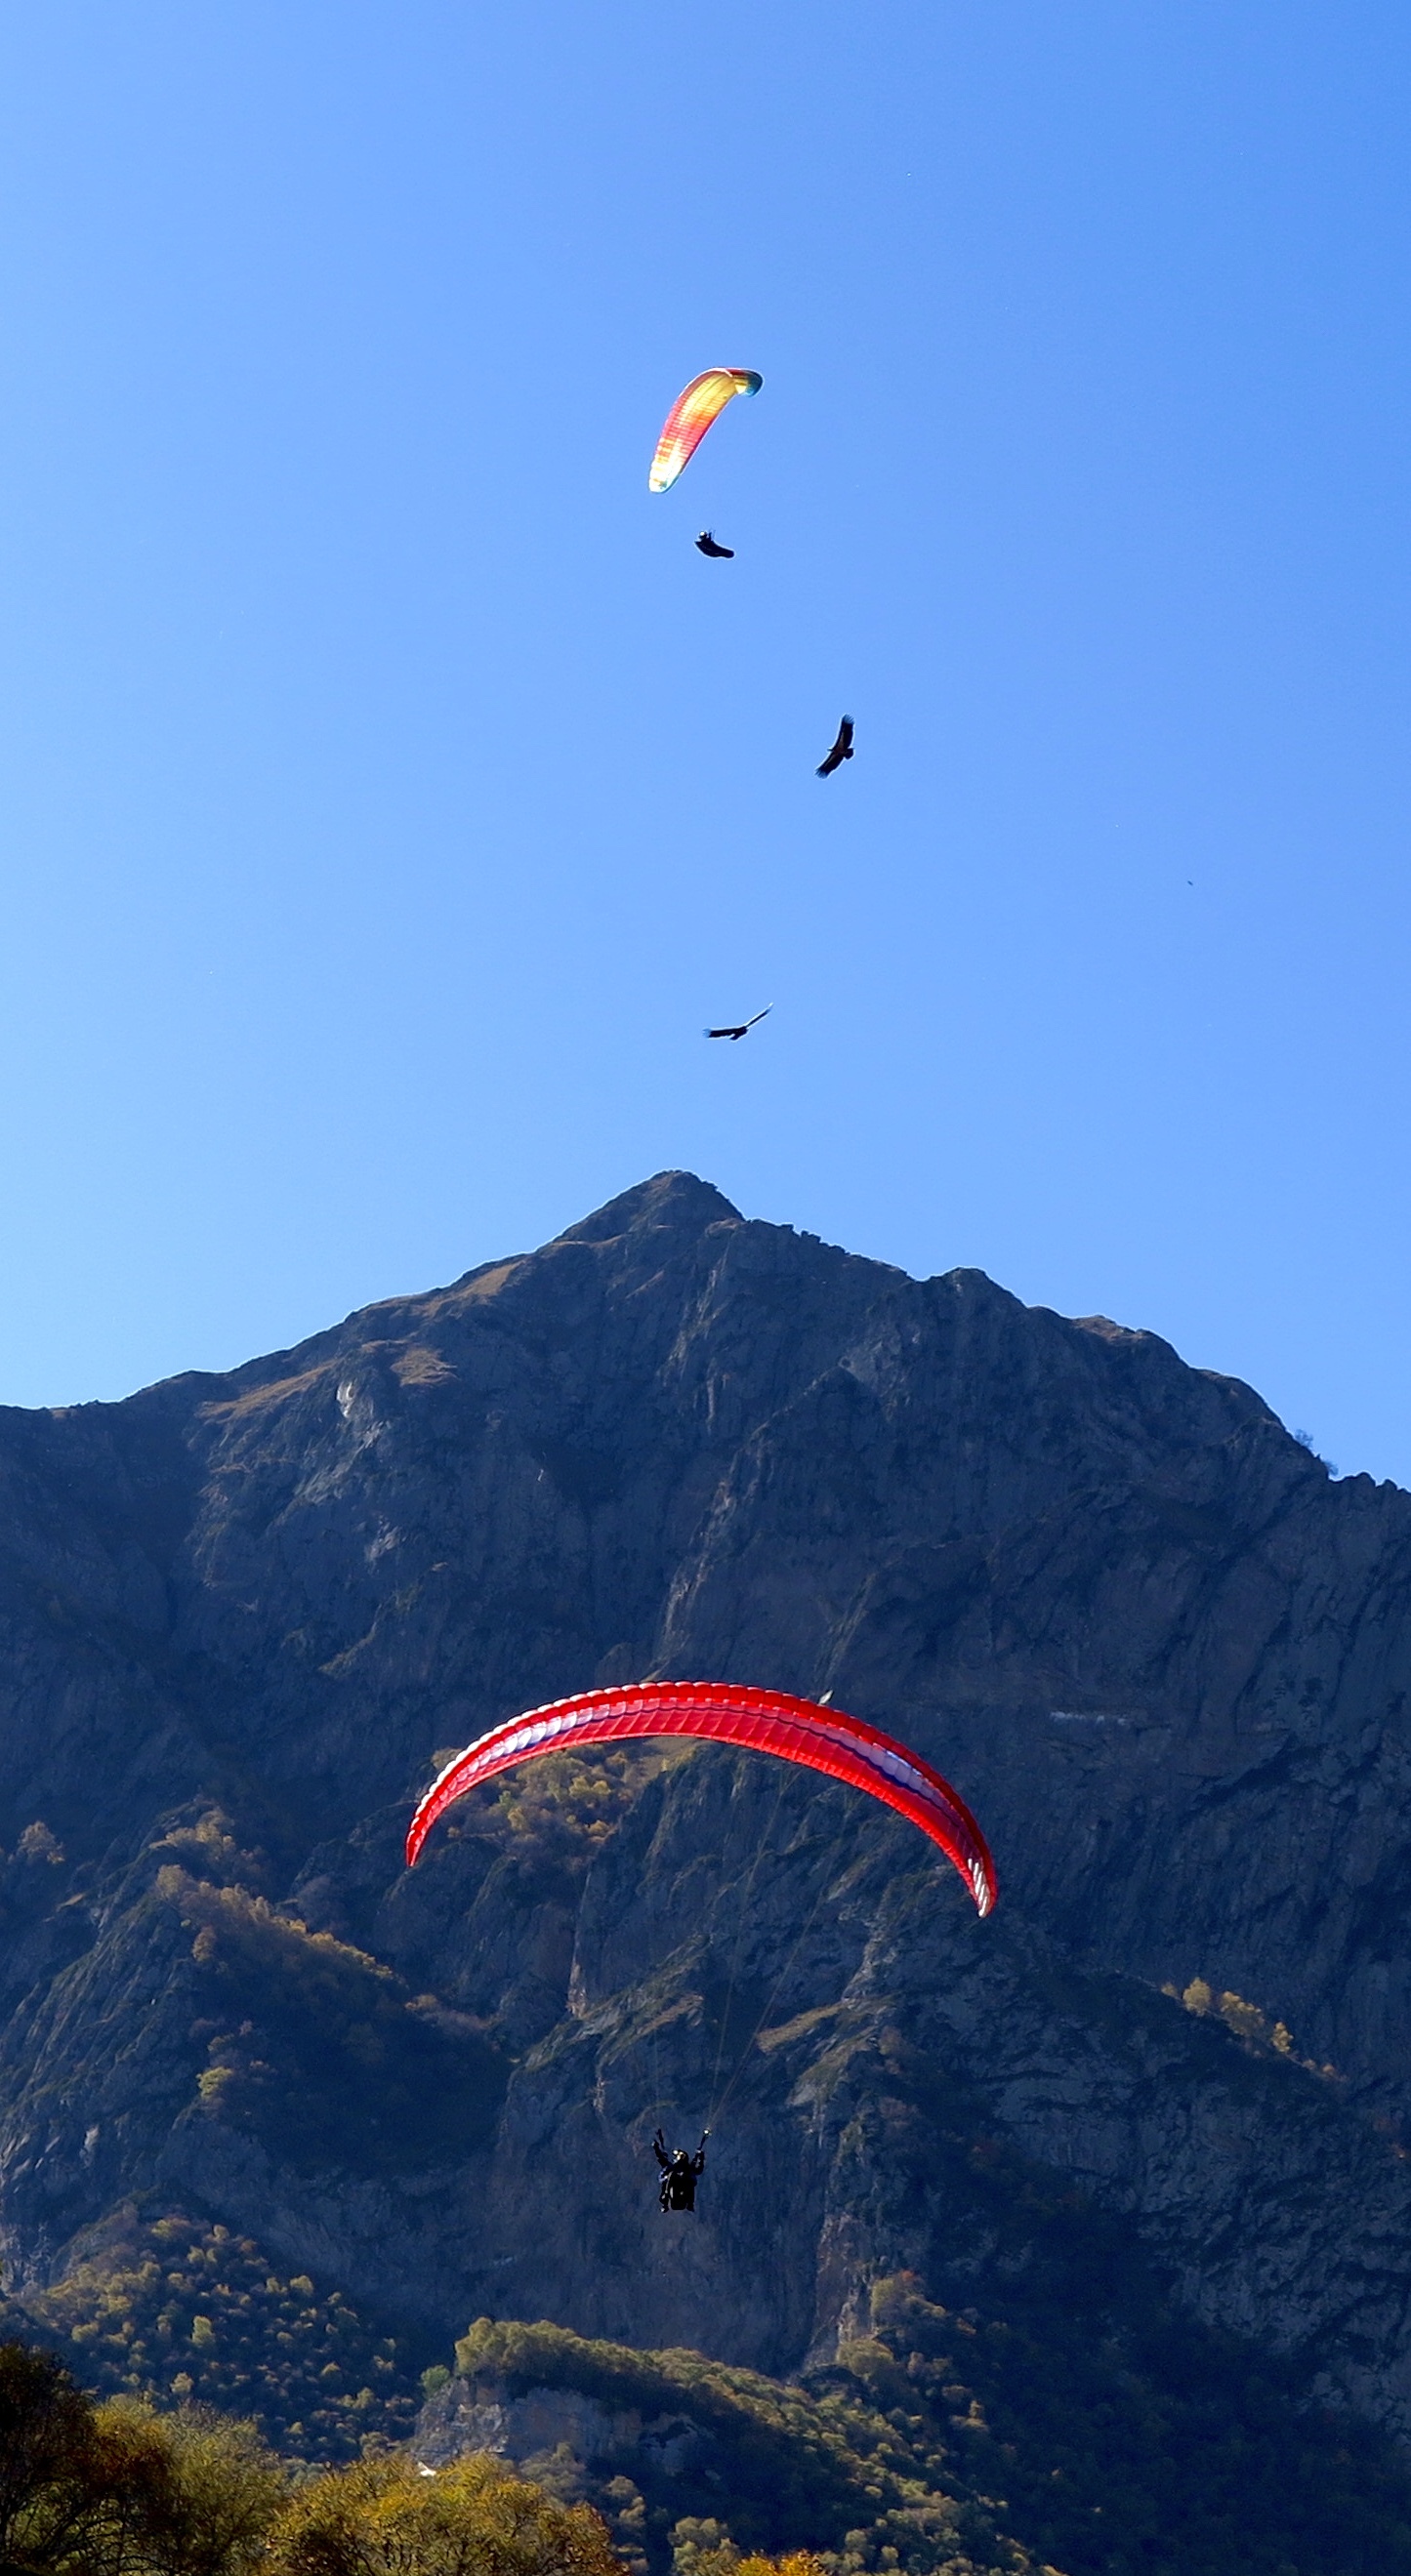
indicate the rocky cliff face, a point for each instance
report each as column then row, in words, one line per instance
column 1158, row 1650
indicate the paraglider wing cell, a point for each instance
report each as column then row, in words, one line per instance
column 690, row 417
column 760, row 1721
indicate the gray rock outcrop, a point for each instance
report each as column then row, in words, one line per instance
column 1164, row 1657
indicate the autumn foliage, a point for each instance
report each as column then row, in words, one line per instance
column 116, row 2489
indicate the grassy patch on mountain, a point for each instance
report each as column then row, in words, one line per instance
column 560, row 1811
column 319, row 2050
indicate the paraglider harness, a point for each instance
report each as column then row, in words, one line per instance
column 679, row 2172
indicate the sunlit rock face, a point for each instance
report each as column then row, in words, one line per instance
column 1161, row 1654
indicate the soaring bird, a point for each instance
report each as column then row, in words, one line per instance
column 745, row 1025
column 708, row 546
column 841, row 751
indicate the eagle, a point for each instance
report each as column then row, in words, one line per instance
column 708, row 546
column 745, row 1025
column 841, row 751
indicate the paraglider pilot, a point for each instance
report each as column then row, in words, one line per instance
column 679, row 2172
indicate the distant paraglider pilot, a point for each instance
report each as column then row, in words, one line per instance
column 679, row 2172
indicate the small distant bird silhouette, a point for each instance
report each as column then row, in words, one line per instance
column 745, row 1025
column 841, row 751
column 708, row 546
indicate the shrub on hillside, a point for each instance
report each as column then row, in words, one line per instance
column 318, row 2049
column 387, row 2517
column 180, row 2311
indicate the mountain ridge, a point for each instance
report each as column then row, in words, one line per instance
column 1161, row 1654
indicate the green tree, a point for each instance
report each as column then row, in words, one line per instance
column 388, row 2517
column 46, row 2461
column 118, row 2490
column 192, row 2494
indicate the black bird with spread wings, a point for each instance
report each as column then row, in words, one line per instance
column 745, row 1025
column 841, row 751
column 708, row 546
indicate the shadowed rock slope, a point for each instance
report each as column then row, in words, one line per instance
column 946, row 2442
column 1161, row 1653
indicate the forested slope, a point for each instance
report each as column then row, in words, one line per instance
column 1159, row 1651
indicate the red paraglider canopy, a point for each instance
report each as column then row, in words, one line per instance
column 762, row 1721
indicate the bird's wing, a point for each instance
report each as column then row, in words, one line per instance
column 759, row 1015
column 725, row 1033
column 845, row 731
column 827, row 767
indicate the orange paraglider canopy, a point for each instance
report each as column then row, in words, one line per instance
column 760, row 1721
column 690, row 417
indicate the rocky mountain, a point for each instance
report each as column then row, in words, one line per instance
column 1163, row 1655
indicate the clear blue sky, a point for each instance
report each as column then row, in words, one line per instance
column 389, row 793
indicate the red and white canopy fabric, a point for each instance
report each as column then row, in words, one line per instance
column 760, row 1721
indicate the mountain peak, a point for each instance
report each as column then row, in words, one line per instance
column 1167, row 1663
column 674, row 1201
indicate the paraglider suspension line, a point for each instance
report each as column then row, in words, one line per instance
column 742, row 1921
column 718, row 2110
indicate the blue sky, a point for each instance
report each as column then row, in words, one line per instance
column 389, row 793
